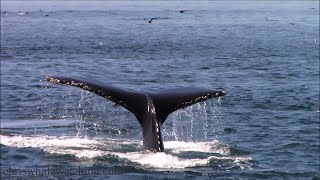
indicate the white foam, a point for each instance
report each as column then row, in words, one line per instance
column 162, row 160
column 91, row 148
column 210, row 147
column 37, row 123
column 46, row 141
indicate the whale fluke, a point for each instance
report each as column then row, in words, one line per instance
column 150, row 108
column 151, row 19
column 171, row 100
column 128, row 99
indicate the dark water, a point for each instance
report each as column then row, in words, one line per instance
column 267, row 127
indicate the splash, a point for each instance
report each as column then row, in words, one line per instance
column 92, row 148
column 206, row 147
column 199, row 122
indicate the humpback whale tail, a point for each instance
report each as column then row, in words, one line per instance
column 150, row 108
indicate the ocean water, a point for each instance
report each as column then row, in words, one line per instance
column 264, row 54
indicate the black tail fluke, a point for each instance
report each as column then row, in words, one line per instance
column 151, row 109
column 166, row 101
column 171, row 100
column 131, row 100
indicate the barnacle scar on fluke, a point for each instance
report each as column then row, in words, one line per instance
column 150, row 108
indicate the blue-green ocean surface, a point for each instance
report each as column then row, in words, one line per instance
column 265, row 54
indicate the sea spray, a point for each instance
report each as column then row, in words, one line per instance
column 199, row 122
